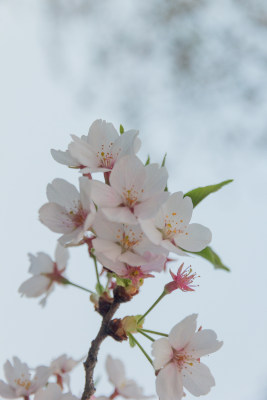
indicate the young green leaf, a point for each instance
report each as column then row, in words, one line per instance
column 131, row 341
column 212, row 257
column 121, row 129
column 147, row 160
column 198, row 194
column 164, row 160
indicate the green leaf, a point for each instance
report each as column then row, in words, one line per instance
column 198, row 194
column 164, row 160
column 148, row 160
column 122, row 282
column 131, row 341
column 212, row 257
column 121, row 129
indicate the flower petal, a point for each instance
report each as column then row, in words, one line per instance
column 56, row 218
column 182, row 206
column 149, row 207
column 162, row 351
column 104, row 195
column 182, row 333
column 128, row 174
column 116, row 371
column 61, row 256
column 132, row 259
column 151, row 231
column 108, row 248
column 156, row 179
column 64, row 157
column 7, row 391
column 35, row 286
column 124, row 145
column 204, row 342
column 120, row 214
column 63, row 193
column 169, row 383
column 198, row 379
column 116, row 266
column 83, row 153
column 42, row 263
column 196, row 238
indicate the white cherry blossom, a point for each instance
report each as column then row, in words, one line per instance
column 122, row 242
column 64, row 157
column 177, row 360
column 124, row 387
column 68, row 211
column 53, row 392
column 61, row 366
column 46, row 273
column 135, row 192
column 171, row 227
column 20, row 382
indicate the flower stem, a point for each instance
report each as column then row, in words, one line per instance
column 147, row 336
column 154, row 332
column 100, row 287
column 153, row 305
column 67, row 282
column 141, row 348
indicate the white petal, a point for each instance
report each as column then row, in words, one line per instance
column 41, row 377
column 42, row 263
column 167, row 244
column 35, row 286
column 151, row 231
column 116, row 371
column 115, row 266
column 56, row 218
column 182, row 333
column 182, row 206
column 106, row 229
column 103, row 195
column 7, row 391
column 120, row 214
column 130, row 390
column 85, row 193
column 196, row 238
column 61, row 256
column 83, row 153
column 132, row 259
column 128, row 174
column 169, row 383
column 124, row 145
column 149, row 207
column 203, row 342
column 52, row 392
column 156, row 179
column 73, row 237
column 101, row 133
column 198, row 379
column 63, row 193
column 108, row 248
column 19, row 369
column 162, row 351
column 64, row 157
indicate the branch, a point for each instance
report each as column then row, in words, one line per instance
column 90, row 363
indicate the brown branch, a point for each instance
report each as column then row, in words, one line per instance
column 90, row 363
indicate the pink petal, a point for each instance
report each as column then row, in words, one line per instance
column 198, row 379
column 169, row 383
column 104, row 195
column 162, row 352
column 182, row 333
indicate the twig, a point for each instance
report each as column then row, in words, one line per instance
column 90, row 363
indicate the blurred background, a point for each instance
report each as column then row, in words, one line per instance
column 191, row 75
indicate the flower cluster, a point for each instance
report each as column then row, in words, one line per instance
column 21, row 383
column 131, row 224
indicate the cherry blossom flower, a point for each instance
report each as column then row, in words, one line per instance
column 46, row 273
column 123, row 387
column 170, row 228
column 135, row 191
column 20, row 383
column 122, row 242
column 99, row 150
column 182, row 280
column 61, row 366
column 53, row 392
column 103, row 147
column 68, row 211
column 177, row 360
